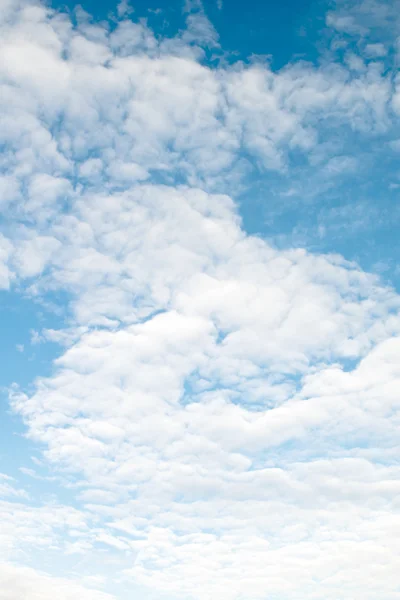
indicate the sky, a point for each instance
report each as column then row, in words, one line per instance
column 199, row 300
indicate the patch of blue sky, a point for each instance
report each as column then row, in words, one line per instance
column 279, row 31
column 25, row 355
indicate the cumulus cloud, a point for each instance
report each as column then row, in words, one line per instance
column 19, row 582
column 223, row 414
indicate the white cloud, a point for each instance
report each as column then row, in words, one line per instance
column 8, row 489
column 123, row 8
column 31, row 255
column 376, row 50
column 136, row 112
column 224, row 413
column 5, row 252
column 169, row 412
column 345, row 23
column 18, row 582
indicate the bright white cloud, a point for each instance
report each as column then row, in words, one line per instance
column 20, row 582
column 224, row 413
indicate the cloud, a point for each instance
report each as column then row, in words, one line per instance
column 375, row 50
column 5, row 272
column 22, row 582
column 139, row 106
column 123, row 8
column 218, row 362
column 222, row 418
column 7, row 488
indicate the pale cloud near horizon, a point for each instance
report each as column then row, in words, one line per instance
column 18, row 583
column 224, row 413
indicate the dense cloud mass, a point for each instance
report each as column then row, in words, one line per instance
column 222, row 418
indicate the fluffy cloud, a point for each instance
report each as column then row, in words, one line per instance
column 221, row 351
column 20, row 582
column 126, row 104
column 224, row 413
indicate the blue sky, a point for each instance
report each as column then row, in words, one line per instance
column 199, row 300
column 281, row 30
